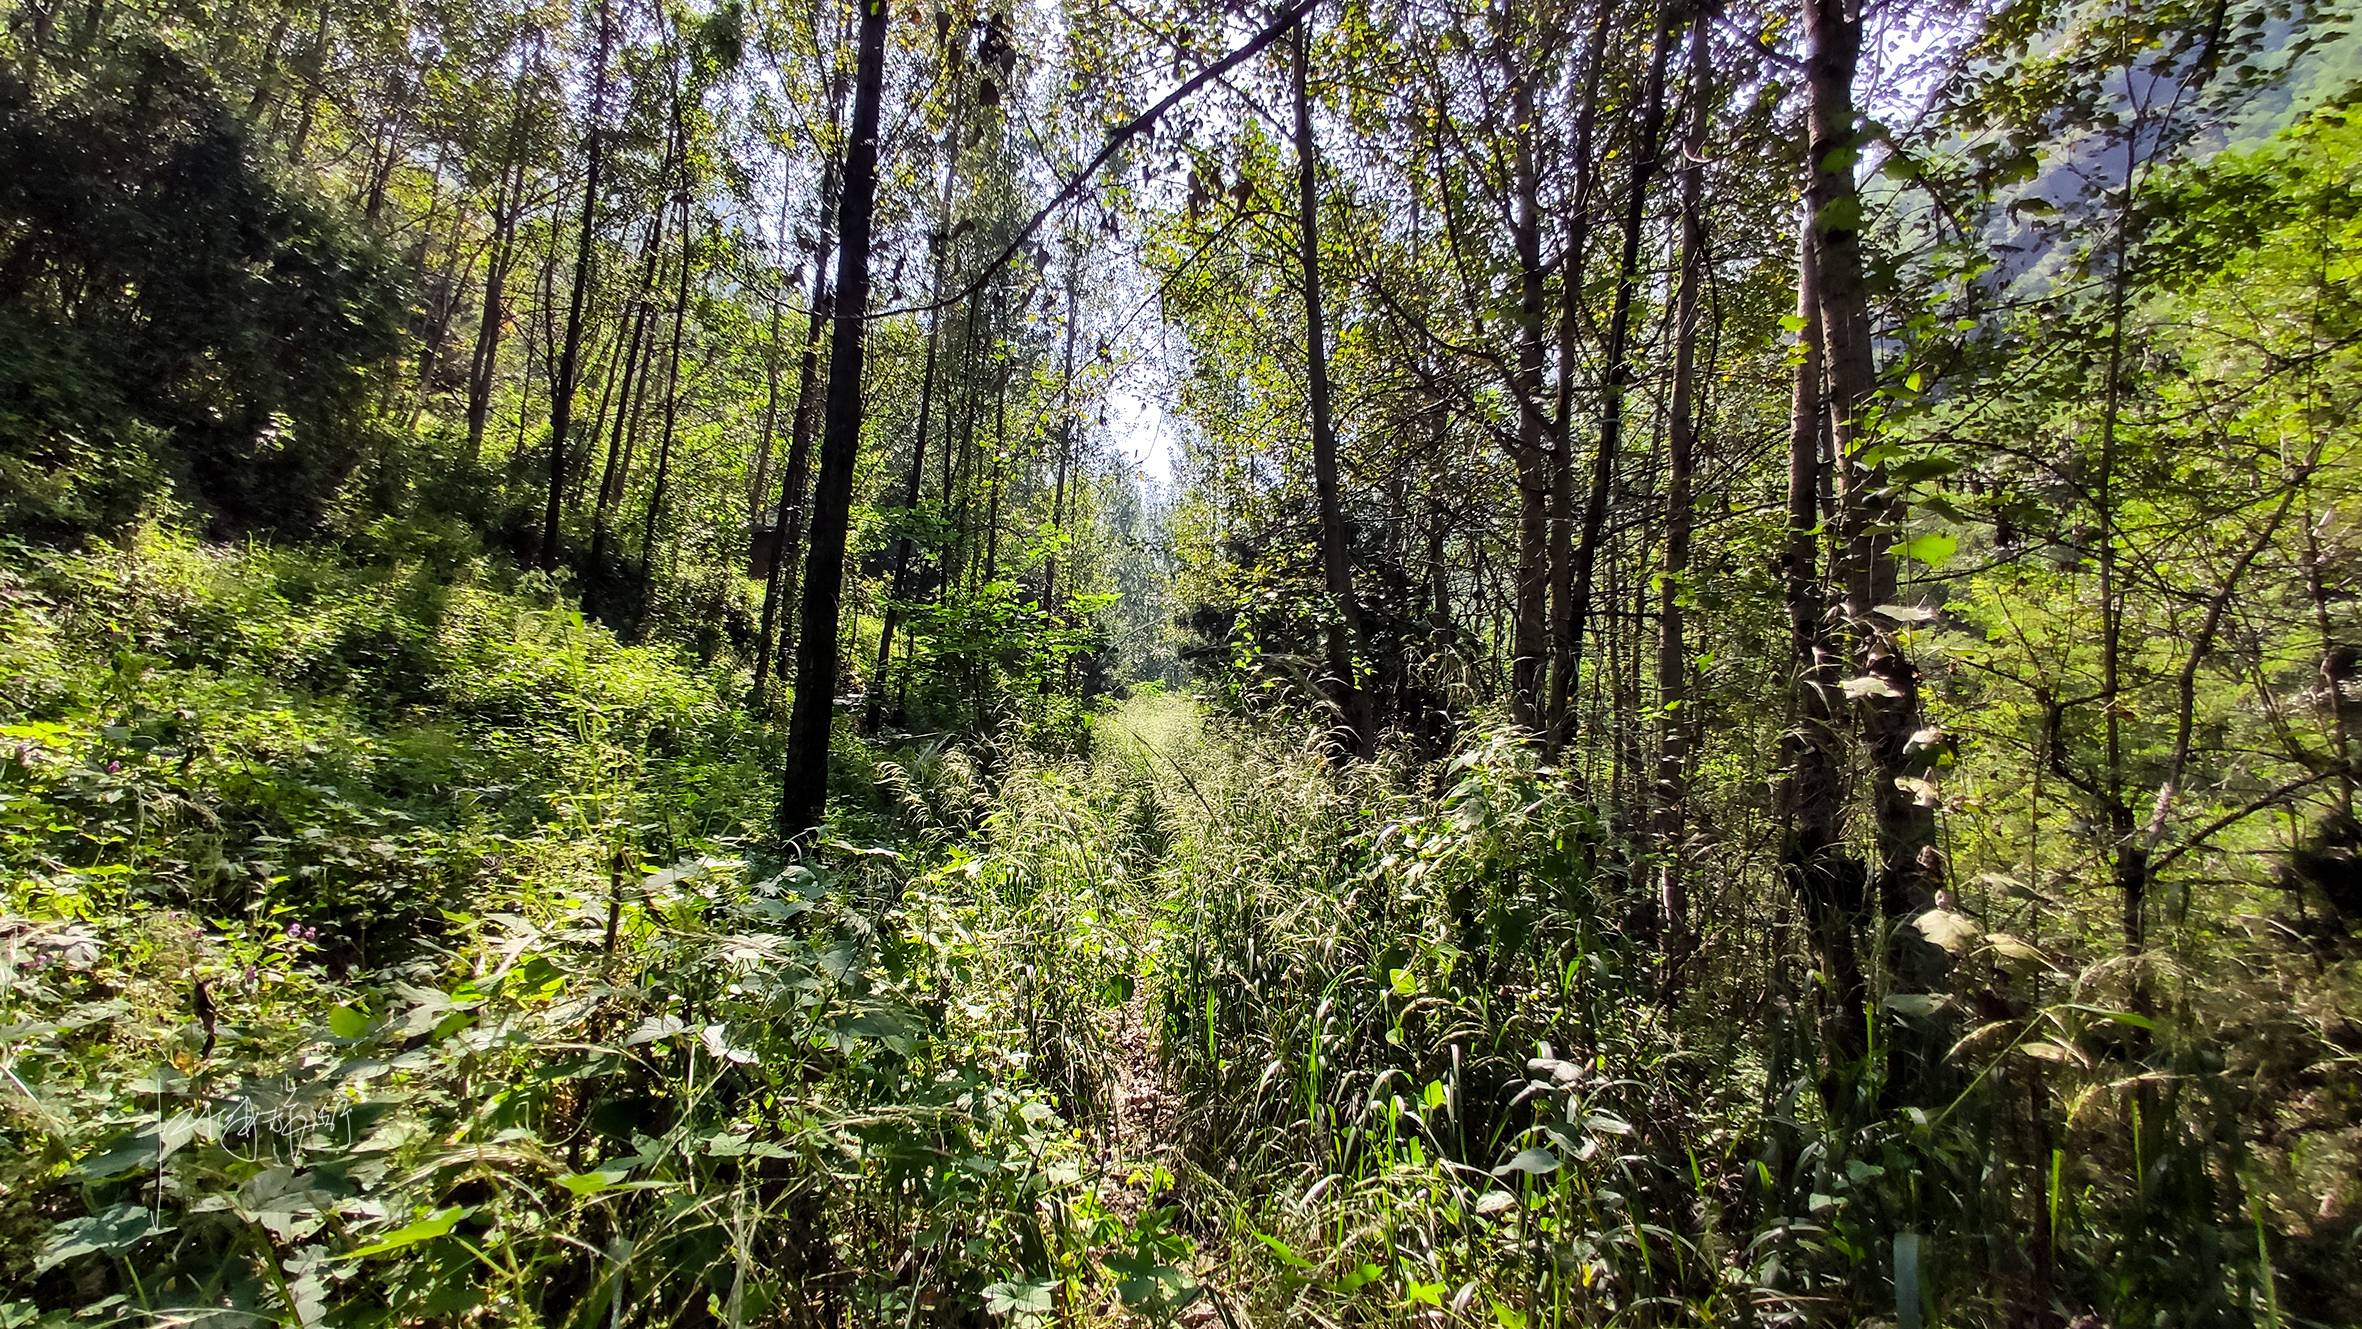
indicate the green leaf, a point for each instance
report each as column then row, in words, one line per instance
column 345, row 1022
column 1286, row 1253
column 1953, row 931
column 1933, row 548
column 1532, row 1162
column 592, row 1182
column 117, row 1229
column 1026, row 1303
column 434, row 1225
column 1907, row 1293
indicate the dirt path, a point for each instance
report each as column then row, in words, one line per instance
column 1138, row 1156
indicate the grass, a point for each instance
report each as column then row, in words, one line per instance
column 385, row 944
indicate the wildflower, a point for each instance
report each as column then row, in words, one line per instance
column 113, row 767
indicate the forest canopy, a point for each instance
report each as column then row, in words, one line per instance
column 1445, row 662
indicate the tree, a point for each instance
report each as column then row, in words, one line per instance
column 562, row 387
column 804, row 788
column 1336, row 554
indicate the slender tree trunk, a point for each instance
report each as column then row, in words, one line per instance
column 1616, row 372
column 779, row 588
column 1050, row 602
column 1909, row 871
column 2337, row 668
column 1529, row 669
column 672, row 405
column 614, row 474
column 384, row 159
column 758, row 480
column 508, row 205
column 1359, row 730
column 959, row 462
column 611, row 382
column 1000, row 454
column 266, row 72
column 1572, row 267
column 484, row 366
column 899, row 585
column 562, row 384
column 804, row 786
column 1829, row 882
column 315, row 60
column 1669, row 815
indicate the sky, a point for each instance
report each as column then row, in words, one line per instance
column 1140, row 431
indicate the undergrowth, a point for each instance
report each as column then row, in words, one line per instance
column 388, row 945
column 382, row 946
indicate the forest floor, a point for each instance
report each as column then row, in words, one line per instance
column 377, row 947
column 1136, row 1150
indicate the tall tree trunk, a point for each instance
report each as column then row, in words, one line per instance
column 959, row 457
column 1669, row 814
column 314, row 61
column 508, row 204
column 562, row 383
column 1000, row 456
column 1529, row 667
column 384, row 159
column 779, row 588
column 614, row 474
column 1829, row 882
column 1571, row 266
column 1050, row 601
column 672, row 405
column 898, row 588
column 804, row 786
column 1616, row 370
column 578, row 473
column 1336, row 557
column 1909, row 871
column 484, row 364
column 758, row 480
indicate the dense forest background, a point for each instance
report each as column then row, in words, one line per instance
column 1372, row 661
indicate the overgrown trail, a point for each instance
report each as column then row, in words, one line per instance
column 1137, row 768
column 1148, row 749
column 1137, row 1142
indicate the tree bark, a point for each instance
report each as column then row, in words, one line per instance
column 1829, row 881
column 1050, row 602
column 1572, row 266
column 1616, row 374
column 563, row 382
column 899, row 585
column 758, row 480
column 779, row 588
column 1909, row 870
column 484, row 362
column 614, row 475
column 672, row 404
column 804, row 786
column 1668, row 819
column 1358, row 729
column 1529, row 667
